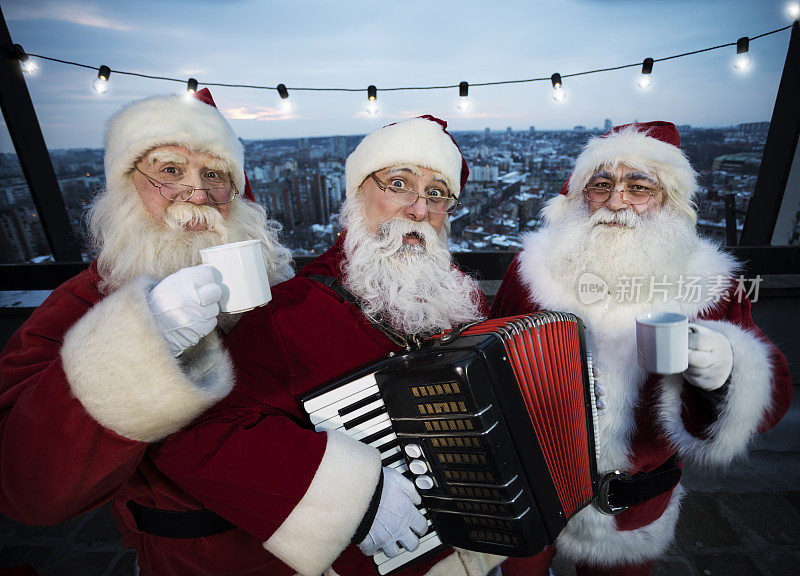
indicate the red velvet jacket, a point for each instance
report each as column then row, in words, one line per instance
column 254, row 458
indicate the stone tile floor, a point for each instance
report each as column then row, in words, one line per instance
column 743, row 522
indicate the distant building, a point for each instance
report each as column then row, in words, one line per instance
column 608, row 125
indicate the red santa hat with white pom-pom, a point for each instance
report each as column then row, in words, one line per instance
column 179, row 120
column 653, row 147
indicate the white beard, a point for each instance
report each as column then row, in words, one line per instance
column 646, row 247
column 414, row 288
column 129, row 242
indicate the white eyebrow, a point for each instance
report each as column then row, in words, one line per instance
column 214, row 163
column 640, row 176
column 166, row 156
column 405, row 168
column 602, row 174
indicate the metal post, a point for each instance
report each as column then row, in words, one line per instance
column 776, row 163
column 26, row 134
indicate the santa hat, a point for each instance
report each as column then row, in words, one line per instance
column 172, row 120
column 422, row 141
column 654, row 147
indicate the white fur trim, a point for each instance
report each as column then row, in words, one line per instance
column 322, row 524
column 417, row 141
column 611, row 332
column 164, row 120
column 465, row 563
column 640, row 152
column 741, row 411
column 118, row 366
column 592, row 537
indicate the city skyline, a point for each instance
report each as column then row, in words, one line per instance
column 322, row 44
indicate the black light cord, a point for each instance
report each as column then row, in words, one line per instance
column 399, row 88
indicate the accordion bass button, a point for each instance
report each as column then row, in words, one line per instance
column 418, row 467
column 424, row 482
column 413, row 450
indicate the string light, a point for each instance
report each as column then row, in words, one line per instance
column 742, row 60
column 645, row 79
column 559, row 94
column 372, row 96
column 191, row 86
column 28, row 65
column 794, row 11
column 463, row 96
column 100, row 84
column 286, row 104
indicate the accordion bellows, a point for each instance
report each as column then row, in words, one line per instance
column 495, row 424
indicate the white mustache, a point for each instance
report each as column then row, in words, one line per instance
column 625, row 217
column 391, row 233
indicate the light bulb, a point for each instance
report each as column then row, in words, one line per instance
column 372, row 108
column 794, row 10
column 100, row 86
column 463, row 104
column 559, row 94
column 742, row 61
column 286, row 106
column 29, row 66
column 644, row 82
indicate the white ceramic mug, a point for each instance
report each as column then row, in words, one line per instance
column 662, row 342
column 240, row 271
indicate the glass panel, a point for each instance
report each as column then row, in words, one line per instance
column 22, row 238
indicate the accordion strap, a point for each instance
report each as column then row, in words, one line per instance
column 619, row 490
column 407, row 342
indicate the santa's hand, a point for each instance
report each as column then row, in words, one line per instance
column 397, row 519
column 185, row 306
column 710, row 358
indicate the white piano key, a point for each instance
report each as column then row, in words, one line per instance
column 359, row 427
column 335, row 420
column 333, row 409
column 339, row 393
column 390, row 452
column 383, row 425
column 386, row 564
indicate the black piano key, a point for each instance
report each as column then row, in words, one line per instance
column 377, row 435
column 388, row 445
column 359, row 404
column 393, row 458
column 364, row 417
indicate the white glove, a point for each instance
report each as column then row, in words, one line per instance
column 710, row 358
column 397, row 518
column 185, row 306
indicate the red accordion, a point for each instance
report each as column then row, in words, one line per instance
column 495, row 423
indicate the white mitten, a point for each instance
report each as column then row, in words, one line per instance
column 397, row 518
column 185, row 306
column 710, row 358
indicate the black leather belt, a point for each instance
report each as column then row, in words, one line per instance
column 620, row 490
column 178, row 524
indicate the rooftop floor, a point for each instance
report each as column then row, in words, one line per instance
column 745, row 522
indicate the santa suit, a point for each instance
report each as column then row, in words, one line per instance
column 648, row 418
column 254, row 458
column 85, row 384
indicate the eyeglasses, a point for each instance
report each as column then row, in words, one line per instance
column 221, row 194
column 632, row 194
column 436, row 200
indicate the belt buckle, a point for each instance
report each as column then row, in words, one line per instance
column 602, row 502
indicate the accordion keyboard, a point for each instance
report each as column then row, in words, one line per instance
column 357, row 410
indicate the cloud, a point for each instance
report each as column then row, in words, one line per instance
column 80, row 14
column 260, row 113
